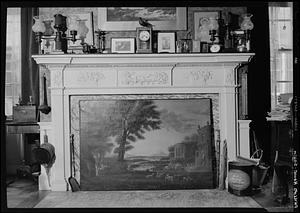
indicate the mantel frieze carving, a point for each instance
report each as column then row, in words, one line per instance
column 200, row 75
column 144, row 78
column 94, row 77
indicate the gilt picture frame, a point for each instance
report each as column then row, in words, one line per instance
column 172, row 152
column 126, row 18
column 166, row 42
column 122, row 45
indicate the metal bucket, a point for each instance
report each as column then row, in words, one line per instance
column 259, row 174
column 240, row 178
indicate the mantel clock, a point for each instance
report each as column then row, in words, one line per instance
column 144, row 39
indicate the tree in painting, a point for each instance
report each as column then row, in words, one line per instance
column 95, row 148
column 128, row 120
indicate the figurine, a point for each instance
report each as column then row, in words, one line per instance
column 143, row 22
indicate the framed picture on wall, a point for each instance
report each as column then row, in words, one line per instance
column 201, row 23
column 166, row 42
column 127, row 18
column 122, row 45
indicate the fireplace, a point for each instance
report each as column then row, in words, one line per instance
column 166, row 79
column 136, row 142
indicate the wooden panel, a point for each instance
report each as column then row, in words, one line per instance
column 22, row 129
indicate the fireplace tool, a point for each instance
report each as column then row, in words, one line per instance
column 72, row 180
column 44, row 108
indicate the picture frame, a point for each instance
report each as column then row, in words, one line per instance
column 90, row 39
column 166, row 42
column 183, row 141
column 201, row 21
column 126, row 18
column 123, row 45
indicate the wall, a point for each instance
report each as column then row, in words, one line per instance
column 49, row 12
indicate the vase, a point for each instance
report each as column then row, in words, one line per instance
column 246, row 23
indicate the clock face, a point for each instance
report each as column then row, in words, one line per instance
column 215, row 48
column 144, row 35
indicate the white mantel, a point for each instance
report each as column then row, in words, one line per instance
column 92, row 74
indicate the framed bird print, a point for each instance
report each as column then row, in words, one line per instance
column 127, row 18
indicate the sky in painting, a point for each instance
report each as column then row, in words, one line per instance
column 133, row 13
column 179, row 119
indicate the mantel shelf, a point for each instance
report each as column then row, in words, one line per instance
column 73, row 59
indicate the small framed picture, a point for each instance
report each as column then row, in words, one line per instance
column 166, row 42
column 122, row 45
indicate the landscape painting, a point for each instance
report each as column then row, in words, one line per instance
column 127, row 18
column 146, row 144
column 133, row 13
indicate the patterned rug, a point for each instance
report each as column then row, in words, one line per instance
column 143, row 199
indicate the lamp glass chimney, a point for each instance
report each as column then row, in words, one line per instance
column 82, row 29
column 213, row 23
column 73, row 23
column 39, row 26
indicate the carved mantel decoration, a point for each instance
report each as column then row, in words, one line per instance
column 130, row 74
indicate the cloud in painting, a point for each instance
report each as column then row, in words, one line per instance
column 178, row 122
column 184, row 116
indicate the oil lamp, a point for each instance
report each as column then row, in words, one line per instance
column 73, row 27
column 39, row 27
column 247, row 25
column 213, row 27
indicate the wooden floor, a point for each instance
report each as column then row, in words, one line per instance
column 267, row 199
column 23, row 193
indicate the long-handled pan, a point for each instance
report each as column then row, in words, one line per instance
column 73, row 182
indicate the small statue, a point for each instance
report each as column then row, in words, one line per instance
column 143, row 22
